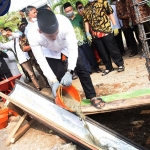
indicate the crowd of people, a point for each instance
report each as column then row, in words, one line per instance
column 65, row 47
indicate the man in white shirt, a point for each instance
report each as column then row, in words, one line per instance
column 56, row 33
column 23, row 57
column 31, row 13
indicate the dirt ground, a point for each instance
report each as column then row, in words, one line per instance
column 133, row 124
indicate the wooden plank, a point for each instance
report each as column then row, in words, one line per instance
column 118, row 105
column 21, row 131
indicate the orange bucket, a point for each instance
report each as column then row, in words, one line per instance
column 3, row 117
column 71, row 90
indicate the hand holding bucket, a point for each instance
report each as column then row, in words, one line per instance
column 72, row 91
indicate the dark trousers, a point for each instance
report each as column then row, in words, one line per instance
column 89, row 53
column 85, row 79
column 5, row 76
column 126, row 38
column 136, row 30
column 130, row 36
column 120, row 42
column 106, row 47
column 84, row 59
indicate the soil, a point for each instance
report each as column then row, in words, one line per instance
column 133, row 123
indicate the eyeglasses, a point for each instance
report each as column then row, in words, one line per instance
column 80, row 7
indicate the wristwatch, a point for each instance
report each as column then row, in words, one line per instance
column 70, row 71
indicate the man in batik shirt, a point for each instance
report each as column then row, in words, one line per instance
column 122, row 13
column 98, row 14
column 144, row 10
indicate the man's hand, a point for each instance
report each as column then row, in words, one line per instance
column 54, row 87
column 115, row 30
column 67, row 79
column 89, row 37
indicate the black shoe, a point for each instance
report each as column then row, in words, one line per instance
column 107, row 71
column 121, row 68
column 123, row 54
column 74, row 76
column 132, row 54
column 97, row 69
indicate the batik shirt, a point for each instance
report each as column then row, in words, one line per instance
column 143, row 9
column 23, row 41
column 78, row 26
column 97, row 15
column 122, row 13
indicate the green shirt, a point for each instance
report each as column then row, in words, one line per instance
column 78, row 26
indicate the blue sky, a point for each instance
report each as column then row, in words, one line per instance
column 19, row 4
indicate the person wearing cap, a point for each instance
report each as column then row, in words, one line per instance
column 31, row 13
column 83, row 46
column 97, row 15
column 23, row 57
column 56, row 33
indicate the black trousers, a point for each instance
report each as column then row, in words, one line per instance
column 106, row 47
column 5, row 76
column 120, row 42
column 126, row 38
column 136, row 30
column 89, row 53
column 85, row 79
column 84, row 59
column 130, row 36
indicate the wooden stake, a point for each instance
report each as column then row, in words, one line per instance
column 21, row 131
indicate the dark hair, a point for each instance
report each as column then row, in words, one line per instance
column 45, row 7
column 7, row 29
column 28, row 9
column 23, row 10
column 67, row 4
column 78, row 3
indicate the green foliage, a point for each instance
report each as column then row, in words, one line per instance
column 148, row 3
column 9, row 20
column 73, row 2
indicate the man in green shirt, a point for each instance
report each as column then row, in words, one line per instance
column 83, row 46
